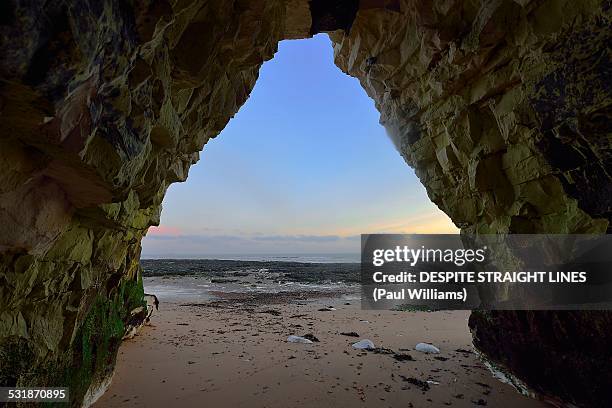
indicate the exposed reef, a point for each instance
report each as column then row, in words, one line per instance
column 502, row 107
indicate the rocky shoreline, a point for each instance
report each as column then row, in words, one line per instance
column 307, row 272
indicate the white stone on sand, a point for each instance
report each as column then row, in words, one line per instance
column 298, row 339
column 365, row 344
column 427, row 348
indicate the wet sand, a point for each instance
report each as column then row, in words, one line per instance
column 234, row 353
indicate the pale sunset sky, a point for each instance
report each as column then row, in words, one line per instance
column 303, row 168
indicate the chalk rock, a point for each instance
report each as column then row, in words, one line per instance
column 365, row 344
column 427, row 348
column 501, row 107
column 298, row 339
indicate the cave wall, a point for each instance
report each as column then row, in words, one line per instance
column 103, row 105
column 502, row 107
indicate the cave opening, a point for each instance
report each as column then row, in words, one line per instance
column 284, row 184
column 289, row 172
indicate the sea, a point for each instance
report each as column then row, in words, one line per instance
column 196, row 280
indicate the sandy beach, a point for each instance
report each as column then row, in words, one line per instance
column 233, row 352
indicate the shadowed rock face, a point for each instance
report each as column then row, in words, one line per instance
column 502, row 107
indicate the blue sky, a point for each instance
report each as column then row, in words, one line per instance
column 304, row 167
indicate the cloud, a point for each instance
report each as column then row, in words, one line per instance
column 422, row 224
column 163, row 230
column 174, row 235
column 303, row 238
column 426, row 222
column 169, row 241
column 159, row 244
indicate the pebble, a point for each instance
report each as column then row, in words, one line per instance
column 427, row 348
column 298, row 339
column 365, row 344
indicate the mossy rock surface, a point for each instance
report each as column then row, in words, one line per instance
column 90, row 358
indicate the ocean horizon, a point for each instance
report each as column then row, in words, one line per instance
column 280, row 257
